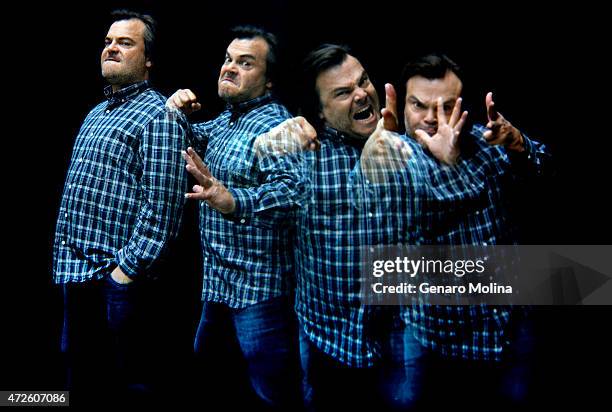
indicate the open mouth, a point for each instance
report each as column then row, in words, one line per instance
column 364, row 114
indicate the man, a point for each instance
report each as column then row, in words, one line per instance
column 338, row 352
column 121, row 209
column 483, row 345
column 249, row 201
column 341, row 337
column 349, row 213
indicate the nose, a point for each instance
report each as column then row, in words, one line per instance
column 360, row 95
column 431, row 116
column 229, row 67
column 111, row 47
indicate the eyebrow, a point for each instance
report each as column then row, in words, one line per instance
column 242, row 56
column 364, row 75
column 119, row 38
column 415, row 99
column 340, row 89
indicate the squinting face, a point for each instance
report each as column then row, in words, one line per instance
column 123, row 57
column 421, row 110
column 243, row 74
column 349, row 102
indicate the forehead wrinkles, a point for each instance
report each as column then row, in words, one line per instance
column 339, row 78
column 258, row 48
column 428, row 90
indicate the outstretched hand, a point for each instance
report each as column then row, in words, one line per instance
column 385, row 153
column 501, row 131
column 208, row 188
column 291, row 136
column 444, row 144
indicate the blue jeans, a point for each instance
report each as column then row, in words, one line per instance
column 266, row 334
column 430, row 379
column 330, row 385
column 403, row 369
column 104, row 338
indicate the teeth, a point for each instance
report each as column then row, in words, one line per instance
column 358, row 115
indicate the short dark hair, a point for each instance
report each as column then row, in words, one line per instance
column 250, row 32
column 316, row 62
column 431, row 66
column 150, row 27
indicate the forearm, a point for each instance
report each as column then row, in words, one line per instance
column 284, row 190
column 163, row 184
column 533, row 160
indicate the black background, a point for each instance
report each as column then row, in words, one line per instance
column 546, row 66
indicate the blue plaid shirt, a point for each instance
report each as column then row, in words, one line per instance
column 466, row 205
column 332, row 231
column 123, row 196
column 248, row 255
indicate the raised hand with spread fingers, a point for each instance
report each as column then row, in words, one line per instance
column 208, row 188
column 501, row 131
column 385, row 152
column 444, row 144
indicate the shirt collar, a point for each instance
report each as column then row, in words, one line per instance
column 343, row 138
column 245, row 107
column 125, row 93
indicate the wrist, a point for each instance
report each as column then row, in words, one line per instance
column 515, row 142
column 518, row 142
column 120, row 277
column 231, row 206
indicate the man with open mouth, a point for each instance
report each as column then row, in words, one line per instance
column 339, row 344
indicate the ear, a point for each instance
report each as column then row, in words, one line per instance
column 148, row 64
column 269, row 85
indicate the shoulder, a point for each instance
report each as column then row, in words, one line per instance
column 152, row 102
column 411, row 142
column 151, row 107
column 98, row 108
column 273, row 111
column 263, row 118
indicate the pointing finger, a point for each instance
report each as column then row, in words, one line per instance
column 390, row 110
column 456, row 113
column 491, row 113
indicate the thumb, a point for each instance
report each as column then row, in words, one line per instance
column 380, row 127
column 490, row 104
column 389, row 120
column 422, row 137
